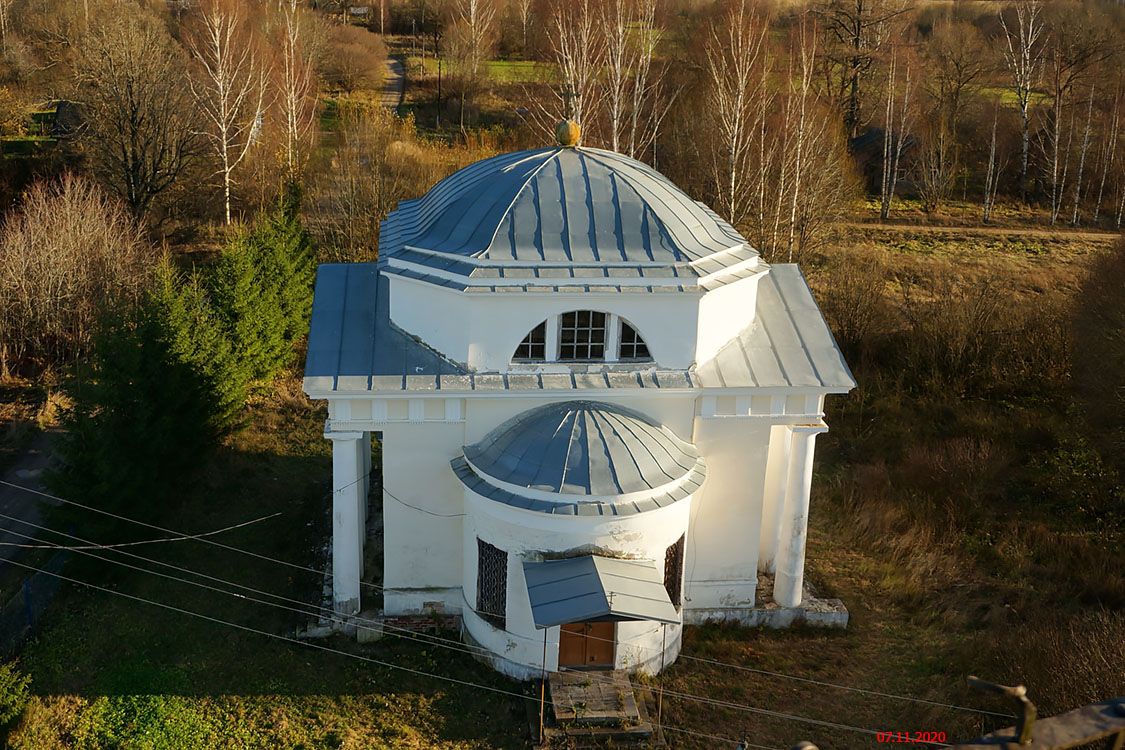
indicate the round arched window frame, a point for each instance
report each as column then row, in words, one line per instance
column 582, row 337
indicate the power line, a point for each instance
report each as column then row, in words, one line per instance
column 459, row 647
column 308, row 609
column 384, row 588
column 92, row 545
column 256, row 631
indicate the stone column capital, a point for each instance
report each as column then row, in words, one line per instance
column 330, row 434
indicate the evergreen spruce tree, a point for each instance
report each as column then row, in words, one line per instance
column 161, row 389
column 262, row 288
column 244, row 287
column 288, row 258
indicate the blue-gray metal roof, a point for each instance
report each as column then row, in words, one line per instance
column 353, row 347
column 559, row 207
column 585, row 448
column 352, row 341
column 585, row 588
column 787, row 344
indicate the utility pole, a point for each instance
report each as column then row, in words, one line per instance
column 437, row 56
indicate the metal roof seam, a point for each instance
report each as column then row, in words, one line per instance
column 530, row 178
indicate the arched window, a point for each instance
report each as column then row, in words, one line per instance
column 533, row 348
column 632, row 346
column 583, row 336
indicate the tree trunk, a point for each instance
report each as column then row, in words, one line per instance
column 1082, row 159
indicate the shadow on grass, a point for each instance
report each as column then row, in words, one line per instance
column 147, row 669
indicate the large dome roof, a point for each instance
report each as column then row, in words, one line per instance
column 587, row 450
column 557, row 208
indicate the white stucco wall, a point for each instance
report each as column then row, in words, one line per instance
column 524, row 535
column 422, row 552
column 483, row 330
column 722, row 548
column 723, row 314
column 430, row 550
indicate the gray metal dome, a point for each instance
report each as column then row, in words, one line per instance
column 536, row 211
column 584, row 448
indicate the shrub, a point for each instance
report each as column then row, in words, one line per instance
column 1066, row 661
column 352, row 59
column 852, row 296
column 68, row 252
column 15, row 692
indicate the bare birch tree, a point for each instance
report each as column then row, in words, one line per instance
column 1076, row 46
column 230, row 88
column 5, row 7
column 470, row 39
column 1023, row 57
column 805, row 133
column 578, row 49
column 523, row 13
column 894, row 136
column 1083, row 149
column 617, row 18
column 1108, row 150
column 736, row 71
column 992, row 171
column 297, row 84
column 634, row 98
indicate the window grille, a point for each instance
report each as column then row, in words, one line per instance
column 581, row 336
column 534, row 346
column 632, row 345
column 492, row 584
column 674, row 572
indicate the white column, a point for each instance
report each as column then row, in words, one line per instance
column 612, row 337
column 552, row 342
column 773, row 496
column 347, row 519
column 790, row 559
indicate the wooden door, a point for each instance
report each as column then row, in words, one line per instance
column 586, row 644
column 599, row 644
column 572, row 645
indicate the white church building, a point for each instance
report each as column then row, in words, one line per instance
column 596, row 406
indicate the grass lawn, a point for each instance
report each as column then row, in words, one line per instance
column 499, row 71
column 114, row 673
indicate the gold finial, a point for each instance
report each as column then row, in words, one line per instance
column 568, row 133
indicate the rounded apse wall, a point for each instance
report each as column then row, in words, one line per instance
column 530, row 536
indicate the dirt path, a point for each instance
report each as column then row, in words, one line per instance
column 1077, row 234
column 27, row 471
column 394, row 82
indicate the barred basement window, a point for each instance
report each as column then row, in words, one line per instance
column 582, row 336
column 492, row 584
column 674, row 572
column 534, row 346
column 632, row 345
